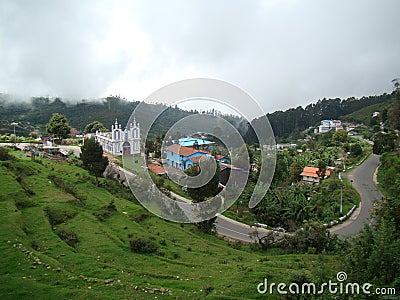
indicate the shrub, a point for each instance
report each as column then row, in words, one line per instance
column 57, row 216
column 35, row 245
column 144, row 246
column 208, row 289
column 139, row 218
column 23, row 203
column 106, row 211
column 5, row 154
column 68, row 236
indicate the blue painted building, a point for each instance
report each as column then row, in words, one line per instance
column 181, row 157
column 195, row 142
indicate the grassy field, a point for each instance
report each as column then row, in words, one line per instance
column 63, row 237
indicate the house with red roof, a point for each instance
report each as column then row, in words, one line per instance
column 313, row 175
column 182, row 157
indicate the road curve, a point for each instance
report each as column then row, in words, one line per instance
column 363, row 182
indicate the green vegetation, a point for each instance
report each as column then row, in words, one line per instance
column 294, row 120
column 58, row 126
column 31, row 115
column 58, row 248
column 95, row 126
column 375, row 253
column 290, row 203
column 93, row 159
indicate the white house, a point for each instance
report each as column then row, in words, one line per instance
column 118, row 141
column 328, row 125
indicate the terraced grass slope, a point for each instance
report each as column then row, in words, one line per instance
column 63, row 237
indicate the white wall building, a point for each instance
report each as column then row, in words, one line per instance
column 328, row 125
column 118, row 141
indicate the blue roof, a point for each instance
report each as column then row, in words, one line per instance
column 189, row 141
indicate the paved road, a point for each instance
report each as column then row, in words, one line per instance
column 237, row 231
column 362, row 177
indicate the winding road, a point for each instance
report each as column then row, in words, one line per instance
column 363, row 181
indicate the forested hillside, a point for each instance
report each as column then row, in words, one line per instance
column 285, row 122
column 34, row 114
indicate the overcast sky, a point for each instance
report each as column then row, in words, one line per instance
column 283, row 53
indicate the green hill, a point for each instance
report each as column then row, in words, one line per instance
column 291, row 121
column 63, row 237
column 364, row 115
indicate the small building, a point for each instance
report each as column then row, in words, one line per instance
column 375, row 114
column 120, row 142
column 328, row 125
column 222, row 159
column 182, row 157
column 195, row 143
column 350, row 127
column 156, row 169
column 313, row 175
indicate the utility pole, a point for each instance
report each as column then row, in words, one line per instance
column 341, row 195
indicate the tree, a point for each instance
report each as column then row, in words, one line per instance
column 95, row 126
column 340, row 136
column 58, row 125
column 201, row 193
column 321, row 167
column 355, row 149
column 295, row 171
column 93, row 159
column 210, row 189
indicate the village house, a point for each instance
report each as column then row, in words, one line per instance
column 196, row 143
column 328, row 125
column 182, row 157
column 120, row 142
column 313, row 175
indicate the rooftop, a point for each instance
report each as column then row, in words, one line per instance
column 182, row 150
column 313, row 172
column 156, row 169
column 189, row 142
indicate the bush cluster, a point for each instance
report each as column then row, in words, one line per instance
column 57, row 216
column 5, row 154
column 142, row 245
column 68, row 236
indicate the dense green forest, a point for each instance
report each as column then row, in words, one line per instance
column 34, row 114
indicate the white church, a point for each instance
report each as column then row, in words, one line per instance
column 120, row 142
